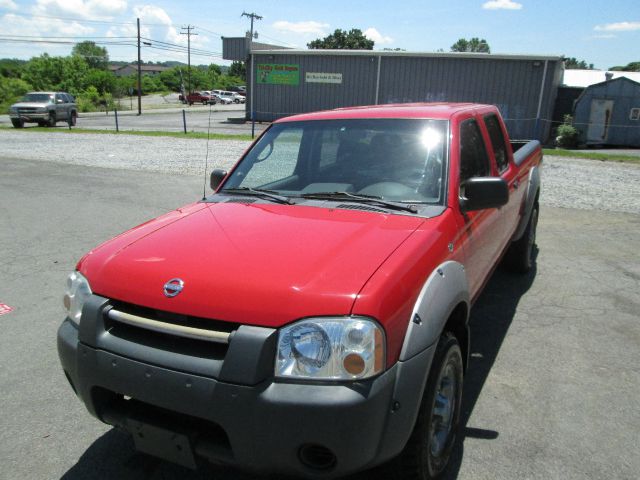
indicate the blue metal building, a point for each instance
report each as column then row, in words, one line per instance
column 608, row 113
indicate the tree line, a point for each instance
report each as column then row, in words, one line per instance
column 86, row 75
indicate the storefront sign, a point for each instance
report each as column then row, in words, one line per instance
column 319, row 77
column 276, row 74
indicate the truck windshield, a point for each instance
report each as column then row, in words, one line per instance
column 400, row 160
column 38, row 98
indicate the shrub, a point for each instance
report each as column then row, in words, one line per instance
column 567, row 135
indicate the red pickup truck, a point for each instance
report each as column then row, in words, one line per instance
column 198, row 97
column 310, row 317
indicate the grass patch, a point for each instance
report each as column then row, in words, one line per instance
column 603, row 157
column 143, row 133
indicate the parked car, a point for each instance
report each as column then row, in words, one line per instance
column 310, row 317
column 241, row 90
column 45, row 109
column 224, row 100
column 233, row 96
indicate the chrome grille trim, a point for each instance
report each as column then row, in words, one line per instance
column 168, row 328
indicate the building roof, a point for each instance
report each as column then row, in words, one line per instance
column 585, row 78
column 387, row 53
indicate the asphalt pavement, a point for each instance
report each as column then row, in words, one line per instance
column 225, row 119
column 551, row 392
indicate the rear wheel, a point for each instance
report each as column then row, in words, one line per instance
column 17, row 123
column 51, row 122
column 73, row 119
column 428, row 450
column 519, row 258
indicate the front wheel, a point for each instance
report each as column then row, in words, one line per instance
column 428, row 450
column 17, row 123
column 51, row 121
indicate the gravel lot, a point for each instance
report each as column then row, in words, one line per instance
column 568, row 183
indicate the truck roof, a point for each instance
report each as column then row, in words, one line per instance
column 441, row 110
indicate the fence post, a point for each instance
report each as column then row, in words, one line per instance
column 115, row 114
column 184, row 121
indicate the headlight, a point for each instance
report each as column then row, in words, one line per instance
column 13, row 109
column 77, row 292
column 343, row 348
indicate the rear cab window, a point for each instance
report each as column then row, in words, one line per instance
column 497, row 141
column 474, row 161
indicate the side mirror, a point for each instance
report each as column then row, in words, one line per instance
column 59, row 100
column 484, row 192
column 216, row 178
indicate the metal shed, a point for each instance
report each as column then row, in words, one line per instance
column 287, row 82
column 608, row 113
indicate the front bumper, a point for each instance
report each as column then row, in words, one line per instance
column 29, row 117
column 238, row 414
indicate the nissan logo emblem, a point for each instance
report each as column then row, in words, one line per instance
column 173, row 287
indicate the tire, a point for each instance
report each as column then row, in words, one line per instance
column 73, row 119
column 51, row 122
column 17, row 123
column 519, row 258
column 427, row 452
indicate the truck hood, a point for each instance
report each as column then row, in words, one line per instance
column 257, row 264
column 30, row 105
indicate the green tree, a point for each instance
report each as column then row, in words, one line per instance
column 572, row 63
column 629, row 67
column 11, row 89
column 44, row 72
column 475, row 44
column 95, row 56
column 173, row 78
column 102, row 80
column 354, row 39
column 238, row 69
column 11, row 67
column 74, row 75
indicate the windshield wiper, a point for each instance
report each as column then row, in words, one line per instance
column 258, row 192
column 360, row 197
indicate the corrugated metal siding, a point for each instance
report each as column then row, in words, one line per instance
column 512, row 84
column 235, row 48
column 358, row 86
column 625, row 95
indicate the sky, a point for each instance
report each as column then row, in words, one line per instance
column 603, row 32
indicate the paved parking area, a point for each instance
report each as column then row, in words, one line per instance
column 551, row 391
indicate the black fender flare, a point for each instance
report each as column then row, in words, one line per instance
column 533, row 187
column 443, row 291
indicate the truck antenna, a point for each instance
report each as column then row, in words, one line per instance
column 206, row 157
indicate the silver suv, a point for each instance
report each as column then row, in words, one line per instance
column 44, row 108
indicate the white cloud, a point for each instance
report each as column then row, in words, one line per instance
column 501, row 5
column 18, row 25
column 618, row 27
column 373, row 34
column 90, row 9
column 307, row 27
column 8, row 5
column 606, row 35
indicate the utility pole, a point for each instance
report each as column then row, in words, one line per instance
column 252, row 16
column 188, row 33
column 139, row 72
